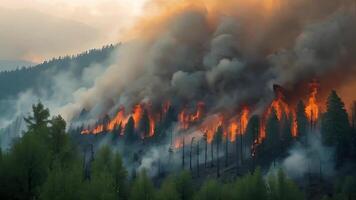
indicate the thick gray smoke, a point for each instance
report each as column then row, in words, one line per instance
column 225, row 64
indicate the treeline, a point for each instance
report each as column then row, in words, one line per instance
column 44, row 164
column 36, row 77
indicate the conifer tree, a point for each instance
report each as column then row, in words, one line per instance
column 302, row 123
column 335, row 126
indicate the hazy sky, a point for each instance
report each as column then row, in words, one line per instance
column 35, row 30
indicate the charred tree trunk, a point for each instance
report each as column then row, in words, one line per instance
column 241, row 149
column 237, row 155
column 190, row 154
column 206, row 152
column 217, row 160
column 190, row 158
column 212, row 154
column 227, row 150
column 198, row 158
column 183, row 161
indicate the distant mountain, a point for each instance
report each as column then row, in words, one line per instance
column 40, row 77
column 9, row 65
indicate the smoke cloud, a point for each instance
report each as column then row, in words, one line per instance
column 226, row 54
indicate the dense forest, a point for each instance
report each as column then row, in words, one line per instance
column 46, row 163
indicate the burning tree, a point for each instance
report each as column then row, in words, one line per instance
column 302, row 122
column 129, row 131
column 272, row 131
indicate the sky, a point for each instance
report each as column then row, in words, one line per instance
column 37, row 30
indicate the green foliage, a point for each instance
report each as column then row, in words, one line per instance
column 282, row 188
column 345, row 189
column 24, row 169
column 101, row 186
column 108, row 164
column 63, row 183
column 335, row 126
column 210, row 190
column 184, row 185
column 168, row 190
column 251, row 186
column 142, row 188
column 38, row 122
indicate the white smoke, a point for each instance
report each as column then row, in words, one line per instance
column 314, row 158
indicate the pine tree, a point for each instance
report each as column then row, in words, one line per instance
column 38, row 122
column 144, row 126
column 286, row 134
column 336, row 127
column 129, row 131
column 272, row 134
column 302, row 122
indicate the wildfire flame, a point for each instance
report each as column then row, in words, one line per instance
column 186, row 119
column 121, row 119
column 312, row 108
column 208, row 125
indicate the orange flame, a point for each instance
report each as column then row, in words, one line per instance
column 244, row 119
column 211, row 125
column 312, row 108
column 119, row 118
column 233, row 129
column 186, row 119
column 122, row 119
column 294, row 125
column 137, row 114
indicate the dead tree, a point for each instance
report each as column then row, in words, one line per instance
column 226, row 150
column 237, row 155
column 190, row 153
column 206, row 148
column 241, row 143
column 183, row 163
column 212, row 153
column 198, row 158
column 218, row 139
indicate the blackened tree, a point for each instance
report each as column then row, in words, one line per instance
column 129, row 131
column 144, row 126
column 302, row 123
column 272, row 134
column 252, row 131
column 218, row 138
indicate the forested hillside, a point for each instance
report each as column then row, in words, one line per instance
column 20, row 80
